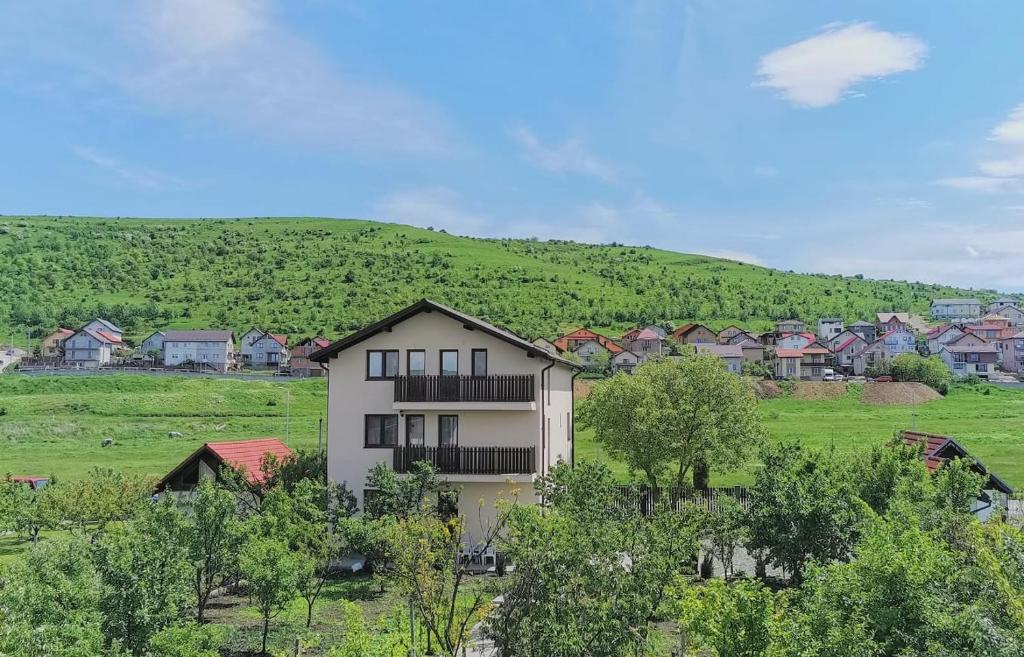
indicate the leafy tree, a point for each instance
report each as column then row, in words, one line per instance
column 690, row 412
column 271, row 572
column 930, row 371
column 737, row 620
column 401, row 497
column 212, row 534
column 188, row 640
column 21, row 510
column 49, row 603
column 102, row 496
column 727, row 530
column 591, row 573
column 803, row 506
column 757, row 369
column 144, row 576
column 887, row 471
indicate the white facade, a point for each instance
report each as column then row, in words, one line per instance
column 212, row 349
column 89, row 349
column 937, row 340
column 370, row 414
column 589, row 353
column 1012, row 313
column 959, row 309
column 267, row 351
column 794, row 341
column 153, row 344
column 830, row 327
column 624, row 361
column 104, row 326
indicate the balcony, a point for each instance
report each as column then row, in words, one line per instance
column 469, row 460
column 499, row 392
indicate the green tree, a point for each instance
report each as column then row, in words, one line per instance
column 726, row 531
column 736, row 620
column 49, row 603
column 101, row 497
column 930, row 371
column 690, row 413
column 212, row 535
column 803, row 506
column 187, row 640
column 271, row 572
column 21, row 510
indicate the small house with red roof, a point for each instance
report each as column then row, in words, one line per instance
column 570, row 341
column 844, row 346
column 794, row 340
column 646, row 343
column 939, row 336
column 207, row 462
column 695, row 334
column 301, row 366
column 889, row 322
column 89, row 348
column 938, row 450
column 787, row 363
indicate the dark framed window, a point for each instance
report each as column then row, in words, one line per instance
column 415, row 427
column 381, row 364
column 416, row 362
column 479, row 362
column 447, row 430
column 381, row 431
column 449, row 362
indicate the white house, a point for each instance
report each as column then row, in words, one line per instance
column 103, row 326
column 267, row 351
column 884, row 349
column 489, row 409
column 1001, row 302
column 967, row 359
column 845, row 347
column 88, row 348
column 153, row 344
column 794, row 340
column 625, row 361
column 1012, row 313
column 942, row 335
column 592, row 354
column 731, row 355
column 829, row 328
column 207, row 349
column 955, row 309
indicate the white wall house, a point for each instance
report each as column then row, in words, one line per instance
column 955, row 309
column 794, row 340
column 829, row 328
column 489, row 409
column 89, row 349
column 268, row 351
column 942, row 335
column 731, row 355
column 967, row 359
column 625, row 361
column 154, row 344
column 208, row 349
column 591, row 352
column 103, row 326
column 1012, row 313
column 845, row 347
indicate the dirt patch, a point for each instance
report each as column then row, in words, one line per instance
column 819, row 390
column 767, row 389
column 892, row 394
column 581, row 388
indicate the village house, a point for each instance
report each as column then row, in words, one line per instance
column 206, row 349
column 866, row 330
column 301, row 366
column 889, row 322
column 787, row 363
column 942, row 335
column 813, row 361
column 829, row 328
column 731, row 355
column 753, row 351
column 594, row 355
column 726, row 335
column 695, row 334
column 884, row 349
column 1002, row 302
column 52, row 346
column 845, row 347
column 955, row 309
column 624, row 361
column 790, row 326
column 570, row 341
column 1012, row 313
column 1011, row 353
column 489, row 409
column 794, row 340
column 987, row 331
column 260, row 349
column 646, row 343
column 90, row 348
column 967, row 359
column 153, row 346
column 743, row 336
column 208, row 461
column 103, row 326
column 938, row 450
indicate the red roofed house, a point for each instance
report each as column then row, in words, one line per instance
column 794, row 340
column 942, row 335
column 301, row 366
column 207, row 461
column 889, row 322
column 263, row 350
column 938, row 450
column 813, row 361
column 787, row 363
column 570, row 341
column 646, row 343
column 845, row 349
column 695, row 334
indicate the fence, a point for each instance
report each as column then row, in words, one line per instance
column 646, row 499
column 445, row 388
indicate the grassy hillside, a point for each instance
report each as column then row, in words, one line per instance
column 302, row 276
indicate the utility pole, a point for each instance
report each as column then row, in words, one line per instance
column 287, row 414
column 320, row 438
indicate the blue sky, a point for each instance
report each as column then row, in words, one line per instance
column 883, row 138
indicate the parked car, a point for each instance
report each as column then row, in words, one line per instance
column 882, row 379
column 829, row 374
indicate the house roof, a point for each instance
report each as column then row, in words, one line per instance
column 792, row 320
column 849, row 342
column 967, row 334
column 985, row 327
column 885, row 318
column 789, row 353
column 583, row 335
column 973, row 302
column 102, row 336
column 62, row 331
column 939, row 330
column 687, row 329
column 427, row 305
column 721, row 350
column 938, row 450
column 815, row 350
column 244, row 455
column 641, row 334
column 109, row 325
column 749, row 343
column 206, row 335
column 972, row 349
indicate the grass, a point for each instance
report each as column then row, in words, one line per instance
column 300, row 276
column 987, row 420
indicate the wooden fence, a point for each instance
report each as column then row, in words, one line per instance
column 646, row 499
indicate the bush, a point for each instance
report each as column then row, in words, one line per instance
column 930, row 371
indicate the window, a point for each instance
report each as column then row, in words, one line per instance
column 479, row 362
column 414, row 425
column 382, row 364
column 449, row 362
column 381, row 431
column 416, row 362
column 448, row 431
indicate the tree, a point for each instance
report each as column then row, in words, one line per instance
column 803, row 506
column 144, row 576
column 101, row 497
column 21, row 510
column 591, row 573
column 735, row 620
column 212, row 535
column 187, row 640
column 49, row 603
column 401, row 497
column 690, row 413
column 727, row 530
column 757, row 369
column 270, row 571
column 930, row 371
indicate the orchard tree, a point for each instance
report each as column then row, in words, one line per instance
column 687, row 414
column 212, row 535
column 726, row 531
column 271, row 572
column 737, row 620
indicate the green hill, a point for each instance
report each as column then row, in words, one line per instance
column 302, row 276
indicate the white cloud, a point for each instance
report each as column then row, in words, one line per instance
column 568, row 156
column 433, row 207
column 1012, row 129
column 1003, row 170
column 821, row 70
column 981, row 184
column 138, row 176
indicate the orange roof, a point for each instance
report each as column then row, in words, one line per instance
column 789, row 353
column 582, row 334
column 812, row 350
column 248, row 454
column 279, row 339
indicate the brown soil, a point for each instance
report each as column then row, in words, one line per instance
column 582, row 388
column 767, row 389
column 819, row 390
column 891, row 394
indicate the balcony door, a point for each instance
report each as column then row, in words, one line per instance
column 448, row 443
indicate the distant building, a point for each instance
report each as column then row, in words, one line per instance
column 731, row 355
column 261, row 349
column 829, row 327
column 624, row 361
column 790, row 326
column 153, row 346
column 889, row 322
column 888, row 346
column 207, row 461
column 942, row 335
column 52, row 346
column 695, row 334
column 645, row 343
column 866, row 330
column 303, row 368
column 955, row 309
column 1002, row 302
column 845, row 347
column 570, row 341
column 592, row 354
column 101, row 325
column 794, row 340
column 967, row 359
column 753, row 351
column 726, row 335
column 90, row 348
column 1012, row 353
column 1010, row 312
column 207, row 349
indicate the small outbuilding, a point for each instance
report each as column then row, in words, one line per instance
column 207, row 461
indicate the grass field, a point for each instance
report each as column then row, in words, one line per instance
column 54, row 425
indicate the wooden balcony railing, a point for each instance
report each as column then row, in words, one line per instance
column 433, row 388
column 469, row 460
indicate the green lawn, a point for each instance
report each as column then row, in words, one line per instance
column 987, row 420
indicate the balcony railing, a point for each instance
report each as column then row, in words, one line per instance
column 469, row 460
column 499, row 388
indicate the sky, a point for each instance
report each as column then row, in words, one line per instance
column 878, row 138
